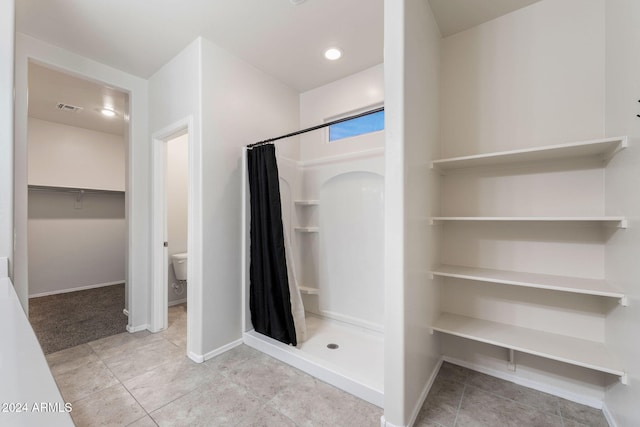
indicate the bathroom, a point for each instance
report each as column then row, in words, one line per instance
column 227, row 104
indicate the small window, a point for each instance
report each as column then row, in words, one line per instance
column 373, row 122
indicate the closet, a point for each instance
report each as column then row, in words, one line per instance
column 579, row 216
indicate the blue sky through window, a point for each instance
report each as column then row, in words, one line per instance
column 366, row 124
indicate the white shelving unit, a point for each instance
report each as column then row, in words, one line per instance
column 604, row 149
column 576, row 285
column 618, row 221
column 568, row 349
column 575, row 351
column 307, row 207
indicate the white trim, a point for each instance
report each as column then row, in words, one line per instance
column 421, row 400
column 425, row 392
column 244, row 215
column 543, row 387
column 363, row 154
column 303, row 361
column 373, row 152
column 159, row 291
column 385, row 423
column 608, row 415
column 134, row 329
column 218, row 351
column 178, row 301
column 79, row 288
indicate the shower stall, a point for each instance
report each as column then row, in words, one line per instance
column 333, row 223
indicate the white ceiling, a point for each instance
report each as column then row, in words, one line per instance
column 48, row 87
column 278, row 37
column 282, row 39
column 454, row 16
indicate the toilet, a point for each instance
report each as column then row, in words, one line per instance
column 179, row 262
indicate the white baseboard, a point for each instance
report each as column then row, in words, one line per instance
column 134, row 329
column 79, row 288
column 608, row 415
column 425, row 392
column 199, row 358
column 543, row 387
column 385, row 423
column 176, row 302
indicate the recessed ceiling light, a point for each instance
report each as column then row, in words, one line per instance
column 297, row 2
column 333, row 53
column 108, row 112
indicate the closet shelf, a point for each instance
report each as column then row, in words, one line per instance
column 621, row 222
column 306, row 202
column 563, row 348
column 307, row 229
column 72, row 189
column 533, row 280
column 604, row 149
column 307, row 290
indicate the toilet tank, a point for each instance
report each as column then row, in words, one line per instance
column 179, row 262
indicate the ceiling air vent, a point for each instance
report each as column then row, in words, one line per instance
column 67, row 107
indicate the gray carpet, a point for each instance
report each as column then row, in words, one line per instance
column 70, row 319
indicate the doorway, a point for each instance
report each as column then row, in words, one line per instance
column 173, row 232
column 76, row 215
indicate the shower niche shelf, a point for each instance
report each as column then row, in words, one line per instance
column 307, row 290
column 307, row 202
column 307, row 229
column 563, row 348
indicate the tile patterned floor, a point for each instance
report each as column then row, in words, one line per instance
column 144, row 380
column 462, row 397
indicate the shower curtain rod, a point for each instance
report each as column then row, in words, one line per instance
column 324, row 125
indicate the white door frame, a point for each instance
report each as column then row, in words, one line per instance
column 159, row 260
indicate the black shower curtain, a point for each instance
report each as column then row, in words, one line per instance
column 269, row 297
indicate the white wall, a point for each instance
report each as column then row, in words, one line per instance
column 75, row 245
column 231, row 104
column 359, row 92
column 177, row 208
column 534, row 77
column 412, row 57
column 72, row 249
column 240, row 105
column 137, row 174
column 622, row 267
column 6, row 129
column 67, row 156
column 174, row 96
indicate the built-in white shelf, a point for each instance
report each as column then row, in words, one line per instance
column 563, row 348
column 73, row 189
column 307, row 290
column 307, row 229
column 306, row 202
column 619, row 221
column 577, row 285
column 603, row 148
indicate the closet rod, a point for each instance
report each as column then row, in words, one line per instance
column 324, row 125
